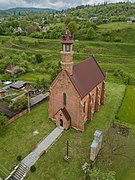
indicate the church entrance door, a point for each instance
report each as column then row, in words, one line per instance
column 61, row 122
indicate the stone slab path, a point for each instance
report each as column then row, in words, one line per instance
column 21, row 170
column 42, row 146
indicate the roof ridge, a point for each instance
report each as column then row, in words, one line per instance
column 83, row 61
column 98, row 65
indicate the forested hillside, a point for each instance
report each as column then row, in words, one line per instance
column 85, row 22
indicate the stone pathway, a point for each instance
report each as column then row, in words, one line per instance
column 43, row 146
column 31, row 159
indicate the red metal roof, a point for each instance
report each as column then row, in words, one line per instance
column 86, row 76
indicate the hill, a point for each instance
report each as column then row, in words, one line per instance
column 15, row 12
column 31, row 9
column 113, row 11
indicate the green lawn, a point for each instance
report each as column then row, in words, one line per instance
column 31, row 76
column 18, row 139
column 127, row 110
column 118, row 154
column 52, row 165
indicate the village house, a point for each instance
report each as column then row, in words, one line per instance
column 77, row 91
column 2, row 93
column 18, row 85
column 14, row 71
column 9, row 69
column 19, row 29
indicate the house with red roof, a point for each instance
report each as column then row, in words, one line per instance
column 14, row 71
column 78, row 90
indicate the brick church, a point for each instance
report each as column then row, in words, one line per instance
column 78, row 90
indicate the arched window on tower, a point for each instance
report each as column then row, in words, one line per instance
column 64, row 99
column 68, row 47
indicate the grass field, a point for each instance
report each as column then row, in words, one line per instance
column 17, row 138
column 112, row 56
column 121, row 30
column 118, row 154
column 127, row 110
column 33, row 76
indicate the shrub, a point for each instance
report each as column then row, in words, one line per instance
column 3, row 120
column 17, row 69
column 33, row 168
column 124, row 76
column 108, row 39
column 117, row 39
column 91, row 33
column 19, row 104
column 19, row 158
column 39, row 58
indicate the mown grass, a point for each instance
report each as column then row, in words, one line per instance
column 17, row 138
column 31, row 76
column 53, row 166
column 127, row 110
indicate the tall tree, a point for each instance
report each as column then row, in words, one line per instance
column 72, row 26
column 91, row 33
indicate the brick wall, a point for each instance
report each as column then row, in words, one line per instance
column 64, row 85
column 80, row 110
column 16, row 117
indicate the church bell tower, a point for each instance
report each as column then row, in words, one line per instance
column 67, row 52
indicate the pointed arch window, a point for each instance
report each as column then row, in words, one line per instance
column 84, row 107
column 64, row 99
column 68, row 47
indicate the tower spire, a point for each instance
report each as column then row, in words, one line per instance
column 67, row 52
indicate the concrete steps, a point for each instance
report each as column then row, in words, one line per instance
column 21, row 170
column 19, row 173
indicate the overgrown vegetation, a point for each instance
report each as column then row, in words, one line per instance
column 19, row 104
column 3, row 121
column 127, row 110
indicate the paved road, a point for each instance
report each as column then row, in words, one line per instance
column 44, row 145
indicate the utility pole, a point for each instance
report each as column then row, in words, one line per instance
column 67, row 149
column 28, row 101
column 67, row 153
column 26, row 89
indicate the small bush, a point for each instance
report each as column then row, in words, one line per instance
column 33, row 168
column 108, row 39
column 126, row 77
column 19, row 158
column 117, row 39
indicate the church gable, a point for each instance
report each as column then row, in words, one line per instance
column 63, row 118
column 63, row 83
